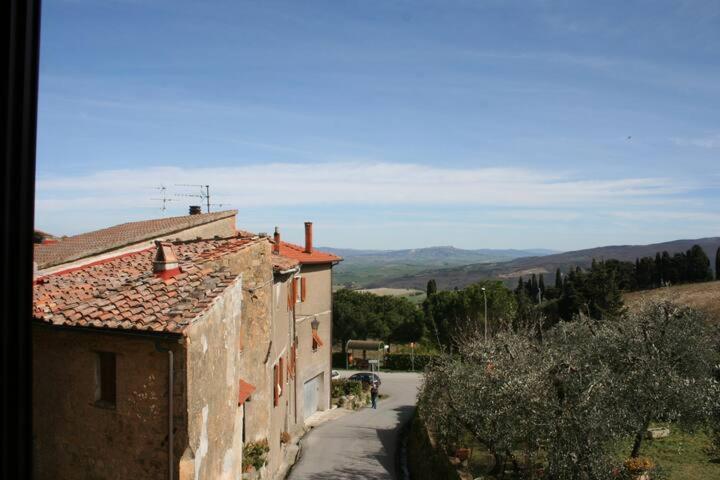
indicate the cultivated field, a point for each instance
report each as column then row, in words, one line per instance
column 702, row 296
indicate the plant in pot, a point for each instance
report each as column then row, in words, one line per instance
column 639, row 468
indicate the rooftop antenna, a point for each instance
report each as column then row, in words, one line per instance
column 164, row 198
column 204, row 194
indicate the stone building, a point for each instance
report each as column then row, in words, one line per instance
column 161, row 347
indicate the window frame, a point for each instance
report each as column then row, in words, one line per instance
column 106, row 379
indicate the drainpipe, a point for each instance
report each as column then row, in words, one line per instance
column 171, row 371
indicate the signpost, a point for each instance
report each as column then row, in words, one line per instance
column 412, row 356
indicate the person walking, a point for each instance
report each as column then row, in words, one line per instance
column 374, row 394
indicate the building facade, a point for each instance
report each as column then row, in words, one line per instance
column 162, row 347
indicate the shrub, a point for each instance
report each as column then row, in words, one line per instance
column 404, row 361
column 255, row 454
column 342, row 387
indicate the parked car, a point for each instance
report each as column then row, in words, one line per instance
column 334, row 374
column 366, row 377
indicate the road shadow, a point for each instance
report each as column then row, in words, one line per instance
column 386, row 457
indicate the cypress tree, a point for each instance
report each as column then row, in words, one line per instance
column 558, row 277
column 541, row 284
column 431, row 287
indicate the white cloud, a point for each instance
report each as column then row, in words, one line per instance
column 710, row 141
column 353, row 183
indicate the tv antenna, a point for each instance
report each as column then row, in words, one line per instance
column 164, row 199
column 204, row 194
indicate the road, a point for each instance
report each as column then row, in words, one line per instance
column 360, row 445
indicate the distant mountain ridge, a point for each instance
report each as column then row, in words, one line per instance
column 460, row 276
column 363, row 267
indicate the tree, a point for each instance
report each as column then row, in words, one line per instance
column 431, row 287
column 541, row 285
column 360, row 315
column 577, row 393
column 698, row 265
column 558, row 279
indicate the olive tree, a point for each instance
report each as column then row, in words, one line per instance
column 573, row 392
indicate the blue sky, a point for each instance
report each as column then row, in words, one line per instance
column 390, row 124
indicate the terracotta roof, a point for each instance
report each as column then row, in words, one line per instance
column 123, row 293
column 297, row 252
column 281, row 263
column 99, row 241
column 246, row 389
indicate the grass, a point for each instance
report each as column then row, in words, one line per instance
column 681, row 456
column 701, row 296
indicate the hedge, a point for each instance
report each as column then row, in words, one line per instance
column 403, row 361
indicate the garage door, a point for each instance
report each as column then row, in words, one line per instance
column 311, row 395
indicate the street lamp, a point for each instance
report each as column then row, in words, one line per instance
column 485, row 295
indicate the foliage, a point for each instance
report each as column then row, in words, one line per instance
column 426, row 462
column 359, row 315
column 450, row 315
column 404, row 361
column 342, row 387
column 573, row 393
column 255, row 453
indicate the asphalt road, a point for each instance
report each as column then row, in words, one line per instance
column 360, row 445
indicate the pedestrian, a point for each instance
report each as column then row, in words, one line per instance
column 374, row 394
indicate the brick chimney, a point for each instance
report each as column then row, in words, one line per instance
column 165, row 264
column 276, row 239
column 308, row 237
column 195, row 210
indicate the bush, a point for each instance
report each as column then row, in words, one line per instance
column 342, row 387
column 255, row 454
column 403, row 361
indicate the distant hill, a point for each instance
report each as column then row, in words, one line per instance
column 460, row 276
column 363, row 267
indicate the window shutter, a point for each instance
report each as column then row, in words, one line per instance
column 303, row 289
column 276, row 393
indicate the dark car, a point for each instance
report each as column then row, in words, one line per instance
column 366, row 377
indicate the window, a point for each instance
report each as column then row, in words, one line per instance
column 105, row 379
column 299, row 289
column 276, row 386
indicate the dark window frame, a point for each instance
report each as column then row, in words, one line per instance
column 106, row 379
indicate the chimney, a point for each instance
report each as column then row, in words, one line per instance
column 308, row 237
column 276, row 239
column 165, row 264
column 195, row 210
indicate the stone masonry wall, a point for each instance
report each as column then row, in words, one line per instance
column 73, row 438
column 253, row 341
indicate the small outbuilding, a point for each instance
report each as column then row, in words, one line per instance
column 360, row 352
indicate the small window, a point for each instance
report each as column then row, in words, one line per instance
column 105, row 379
column 297, row 289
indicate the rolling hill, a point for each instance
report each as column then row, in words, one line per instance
column 700, row 296
column 460, row 276
column 364, row 267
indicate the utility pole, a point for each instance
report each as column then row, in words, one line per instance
column 485, row 295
